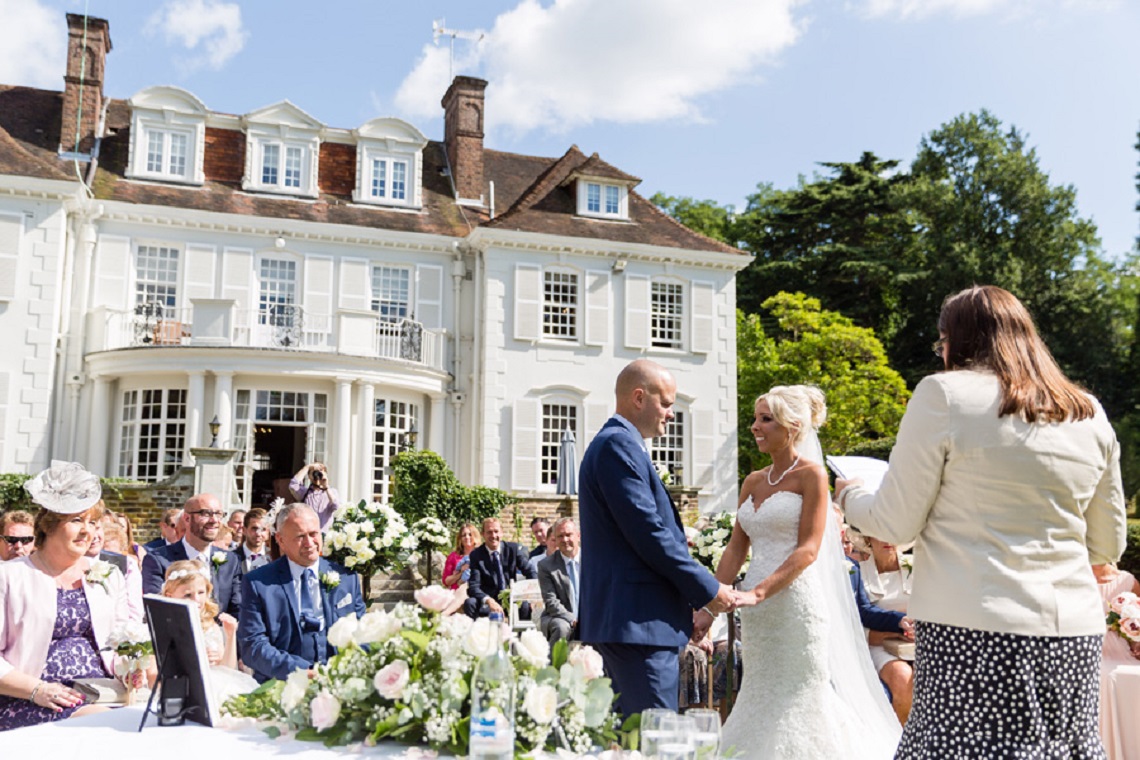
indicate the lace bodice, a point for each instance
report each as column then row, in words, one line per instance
column 773, row 528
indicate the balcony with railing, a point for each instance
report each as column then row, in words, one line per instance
column 214, row 323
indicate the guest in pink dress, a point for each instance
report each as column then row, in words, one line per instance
column 1119, row 674
column 456, row 568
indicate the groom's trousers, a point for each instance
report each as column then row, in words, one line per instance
column 644, row 676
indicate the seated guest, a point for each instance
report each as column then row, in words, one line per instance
column 558, row 577
column 236, row 524
column 457, row 568
column 551, row 548
column 493, row 566
column 95, row 548
column 16, row 534
column 254, row 550
column 203, row 514
column 317, row 494
column 171, row 529
column 540, row 529
column 114, row 541
column 289, row 605
column 57, row 608
column 131, row 548
column 887, row 583
column 1119, row 674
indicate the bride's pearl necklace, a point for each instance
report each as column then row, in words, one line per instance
column 777, row 480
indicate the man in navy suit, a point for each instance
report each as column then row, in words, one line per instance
column 203, row 514
column 493, row 566
column 640, row 588
column 170, row 528
column 290, row 604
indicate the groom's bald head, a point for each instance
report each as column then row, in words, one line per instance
column 645, row 394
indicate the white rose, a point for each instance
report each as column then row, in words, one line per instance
column 590, row 661
column 325, row 710
column 350, row 561
column 455, row 626
column 342, row 632
column 434, row 598
column 541, row 703
column 533, row 648
column 294, row 691
column 391, row 680
column 482, row 638
column 358, row 545
column 377, row 626
column 367, row 527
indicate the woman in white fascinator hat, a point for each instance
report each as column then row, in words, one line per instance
column 58, row 607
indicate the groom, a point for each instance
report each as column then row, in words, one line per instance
column 640, row 587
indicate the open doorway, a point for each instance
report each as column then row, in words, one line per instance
column 278, row 452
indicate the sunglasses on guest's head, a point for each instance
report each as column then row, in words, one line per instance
column 15, row 540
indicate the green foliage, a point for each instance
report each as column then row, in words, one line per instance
column 705, row 217
column 878, row 448
column 12, row 493
column 1131, row 559
column 426, row 487
column 865, row 397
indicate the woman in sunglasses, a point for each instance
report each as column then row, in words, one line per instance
column 317, row 494
column 16, row 534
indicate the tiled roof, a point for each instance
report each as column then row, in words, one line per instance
column 529, row 191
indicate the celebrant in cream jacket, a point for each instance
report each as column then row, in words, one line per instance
column 1007, row 515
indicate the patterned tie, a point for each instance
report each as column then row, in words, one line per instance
column 309, row 618
column 572, row 571
column 498, row 570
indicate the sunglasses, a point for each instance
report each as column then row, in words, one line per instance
column 15, row 540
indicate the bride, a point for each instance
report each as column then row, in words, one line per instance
column 809, row 687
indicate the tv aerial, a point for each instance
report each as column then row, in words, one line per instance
column 438, row 29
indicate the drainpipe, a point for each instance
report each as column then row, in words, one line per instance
column 476, row 444
column 458, row 272
column 74, row 330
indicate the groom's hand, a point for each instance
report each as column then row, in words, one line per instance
column 724, row 601
column 702, row 621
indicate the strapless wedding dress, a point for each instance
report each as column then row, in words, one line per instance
column 787, row 707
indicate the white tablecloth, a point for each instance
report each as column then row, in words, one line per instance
column 115, row 734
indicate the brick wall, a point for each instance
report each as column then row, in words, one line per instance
column 553, row 507
column 225, row 155
column 337, row 169
column 144, row 504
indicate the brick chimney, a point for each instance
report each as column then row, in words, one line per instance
column 83, row 83
column 463, row 135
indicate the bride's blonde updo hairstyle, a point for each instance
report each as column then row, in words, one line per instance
column 798, row 408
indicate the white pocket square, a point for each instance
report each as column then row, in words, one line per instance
column 344, row 602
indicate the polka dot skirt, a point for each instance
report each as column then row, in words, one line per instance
column 979, row 694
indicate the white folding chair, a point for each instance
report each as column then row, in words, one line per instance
column 525, row 590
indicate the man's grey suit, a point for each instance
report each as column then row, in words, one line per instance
column 559, row 613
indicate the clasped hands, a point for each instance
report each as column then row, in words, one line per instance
column 727, row 599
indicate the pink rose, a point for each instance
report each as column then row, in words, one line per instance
column 1130, row 628
column 1120, row 601
column 391, row 679
column 434, row 598
column 325, row 709
column 590, row 661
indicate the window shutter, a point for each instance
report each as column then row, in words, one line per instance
column 704, row 448
column 524, row 440
column 355, row 284
column 637, row 302
column 237, row 275
column 5, row 381
column 11, row 232
column 596, row 415
column 597, row 308
column 528, row 302
column 317, row 282
column 112, row 262
column 429, row 296
column 199, row 272
column 703, row 311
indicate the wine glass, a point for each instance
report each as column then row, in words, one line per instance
column 707, row 734
column 680, row 743
column 657, row 725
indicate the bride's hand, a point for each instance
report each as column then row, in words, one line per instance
column 746, row 599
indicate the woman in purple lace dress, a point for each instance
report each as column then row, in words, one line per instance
column 57, row 606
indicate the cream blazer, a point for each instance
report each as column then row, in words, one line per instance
column 28, row 609
column 1007, row 516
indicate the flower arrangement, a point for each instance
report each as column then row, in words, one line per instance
column 1124, row 616
column 405, row 675
column 711, row 540
column 369, row 537
column 133, row 645
column 430, row 531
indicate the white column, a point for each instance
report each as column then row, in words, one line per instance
column 434, row 435
column 365, row 458
column 97, row 422
column 224, row 407
column 341, row 456
column 195, row 408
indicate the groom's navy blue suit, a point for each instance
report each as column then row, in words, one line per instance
column 640, row 587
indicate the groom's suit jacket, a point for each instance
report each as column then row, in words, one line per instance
column 269, row 629
column 226, row 576
column 640, row 585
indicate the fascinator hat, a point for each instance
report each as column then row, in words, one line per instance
column 65, row 488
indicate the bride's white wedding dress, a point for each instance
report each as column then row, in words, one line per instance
column 793, row 703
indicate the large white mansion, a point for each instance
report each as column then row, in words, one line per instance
column 321, row 291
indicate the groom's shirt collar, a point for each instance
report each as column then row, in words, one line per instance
column 644, row 441
column 192, row 553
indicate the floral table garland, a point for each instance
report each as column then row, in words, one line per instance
column 405, row 675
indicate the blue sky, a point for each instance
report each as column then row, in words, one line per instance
column 700, row 99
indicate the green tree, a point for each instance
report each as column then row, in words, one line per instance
column 807, row 344
column 706, row 217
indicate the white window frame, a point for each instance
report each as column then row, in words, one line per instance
column 662, row 450
column 376, row 299
column 166, row 111
column 550, row 438
column 388, row 440
column 392, row 154
column 136, row 274
column 171, row 430
column 576, row 321
column 656, row 313
column 604, row 189
column 306, row 181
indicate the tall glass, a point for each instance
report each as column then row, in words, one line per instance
column 707, row 734
column 657, row 726
column 680, row 742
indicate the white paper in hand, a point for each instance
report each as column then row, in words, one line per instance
column 870, row 471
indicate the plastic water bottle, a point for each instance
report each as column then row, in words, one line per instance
column 492, row 734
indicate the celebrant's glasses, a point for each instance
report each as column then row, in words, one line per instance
column 14, row 540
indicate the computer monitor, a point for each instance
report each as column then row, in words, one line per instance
column 183, row 667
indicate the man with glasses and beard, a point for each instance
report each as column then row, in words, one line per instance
column 317, row 494
column 203, row 514
column 16, row 535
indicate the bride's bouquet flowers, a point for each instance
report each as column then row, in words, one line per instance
column 405, row 675
column 369, row 537
column 709, row 543
column 1124, row 616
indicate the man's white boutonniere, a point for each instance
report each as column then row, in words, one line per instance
column 906, row 563
column 99, row 572
column 219, row 559
column 330, row 580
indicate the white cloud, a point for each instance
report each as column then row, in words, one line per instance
column 210, row 29
column 572, row 62
column 33, row 44
column 910, row 9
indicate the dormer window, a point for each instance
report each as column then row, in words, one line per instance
column 168, row 127
column 282, row 148
column 285, row 174
column 602, row 199
column 389, row 162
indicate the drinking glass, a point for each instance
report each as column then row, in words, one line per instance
column 657, row 725
column 707, row 734
column 680, row 743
